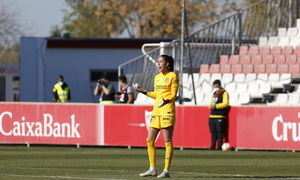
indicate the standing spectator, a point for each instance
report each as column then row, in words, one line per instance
column 106, row 91
column 126, row 94
column 219, row 112
column 61, row 91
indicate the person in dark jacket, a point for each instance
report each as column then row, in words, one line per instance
column 219, row 111
column 106, row 91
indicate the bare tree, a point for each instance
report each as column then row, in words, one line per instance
column 10, row 32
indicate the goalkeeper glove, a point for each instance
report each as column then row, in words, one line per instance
column 164, row 102
column 138, row 89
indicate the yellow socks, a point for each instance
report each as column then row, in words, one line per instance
column 151, row 153
column 169, row 155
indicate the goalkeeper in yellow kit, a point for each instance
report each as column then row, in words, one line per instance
column 163, row 115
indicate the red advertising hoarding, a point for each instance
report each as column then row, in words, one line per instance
column 256, row 127
column 275, row 128
column 94, row 124
column 51, row 124
column 127, row 125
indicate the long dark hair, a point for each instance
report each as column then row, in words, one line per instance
column 170, row 60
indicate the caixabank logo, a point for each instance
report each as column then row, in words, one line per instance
column 283, row 130
column 46, row 127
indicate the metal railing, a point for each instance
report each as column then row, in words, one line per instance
column 220, row 38
column 265, row 17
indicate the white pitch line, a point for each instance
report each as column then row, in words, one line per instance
column 195, row 173
column 62, row 177
column 58, row 169
column 232, row 175
column 108, row 170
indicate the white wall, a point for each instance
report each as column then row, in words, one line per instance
column 40, row 66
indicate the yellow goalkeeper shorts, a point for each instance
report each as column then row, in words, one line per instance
column 162, row 121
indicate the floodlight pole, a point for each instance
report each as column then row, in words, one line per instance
column 190, row 56
column 181, row 54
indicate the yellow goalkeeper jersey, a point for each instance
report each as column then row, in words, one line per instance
column 165, row 86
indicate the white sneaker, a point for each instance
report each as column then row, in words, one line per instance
column 149, row 173
column 164, row 174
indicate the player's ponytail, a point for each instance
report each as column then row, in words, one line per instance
column 170, row 60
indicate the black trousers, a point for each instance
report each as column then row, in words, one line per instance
column 216, row 126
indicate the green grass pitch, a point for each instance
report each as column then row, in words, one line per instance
column 44, row 162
